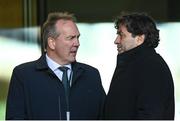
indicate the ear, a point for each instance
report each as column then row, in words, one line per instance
column 51, row 43
column 140, row 39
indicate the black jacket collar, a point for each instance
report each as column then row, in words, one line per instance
column 131, row 55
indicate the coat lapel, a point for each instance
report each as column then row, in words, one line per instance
column 78, row 70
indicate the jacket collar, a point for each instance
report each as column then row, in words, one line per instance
column 77, row 68
column 135, row 53
column 42, row 63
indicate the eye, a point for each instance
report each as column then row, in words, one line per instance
column 70, row 37
column 118, row 33
column 122, row 35
column 78, row 36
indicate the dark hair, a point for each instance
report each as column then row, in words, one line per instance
column 139, row 24
column 49, row 29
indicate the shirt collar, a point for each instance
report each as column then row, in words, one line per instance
column 53, row 65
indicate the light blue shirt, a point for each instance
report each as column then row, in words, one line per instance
column 55, row 68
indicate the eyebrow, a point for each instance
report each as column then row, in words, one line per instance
column 73, row 36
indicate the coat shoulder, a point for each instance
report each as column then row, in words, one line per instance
column 25, row 65
column 87, row 67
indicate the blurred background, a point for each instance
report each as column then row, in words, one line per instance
column 21, row 20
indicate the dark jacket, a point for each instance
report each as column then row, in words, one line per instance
column 141, row 88
column 35, row 92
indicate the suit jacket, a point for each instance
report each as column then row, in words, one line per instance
column 35, row 92
column 141, row 88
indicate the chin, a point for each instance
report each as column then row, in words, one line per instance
column 120, row 52
column 73, row 59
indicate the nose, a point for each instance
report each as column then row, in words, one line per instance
column 117, row 40
column 76, row 42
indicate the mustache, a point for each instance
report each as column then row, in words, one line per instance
column 119, row 46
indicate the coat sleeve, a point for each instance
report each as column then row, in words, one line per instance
column 156, row 93
column 15, row 108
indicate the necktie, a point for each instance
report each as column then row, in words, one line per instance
column 66, row 84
